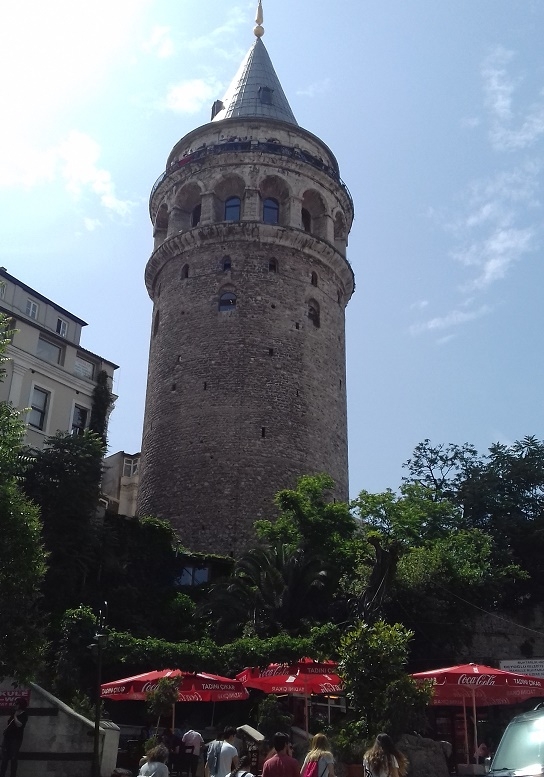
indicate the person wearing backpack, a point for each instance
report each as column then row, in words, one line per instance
column 243, row 769
column 222, row 756
column 319, row 761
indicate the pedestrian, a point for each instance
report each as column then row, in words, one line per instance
column 384, row 760
column 193, row 739
column 319, row 761
column 155, row 763
column 243, row 768
column 13, row 737
column 482, row 752
column 282, row 764
column 222, row 756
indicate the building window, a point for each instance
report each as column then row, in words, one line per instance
column 271, row 211
column 233, row 207
column 83, row 368
column 265, row 95
column 306, row 220
column 227, row 264
column 79, row 419
column 156, row 323
column 130, row 467
column 48, row 351
column 314, row 279
column 193, row 576
column 227, row 301
column 32, row 308
column 196, row 215
column 62, row 327
column 273, row 265
column 38, row 408
column 2, row 289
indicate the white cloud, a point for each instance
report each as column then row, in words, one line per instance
column 91, row 224
column 160, row 43
column 74, row 161
column 237, row 16
column 419, row 305
column 318, row 87
column 510, row 130
column 190, row 96
column 453, row 318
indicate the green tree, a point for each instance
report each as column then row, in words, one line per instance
column 101, row 403
column 22, row 558
column 272, row 589
column 63, row 479
column 372, row 665
column 162, row 699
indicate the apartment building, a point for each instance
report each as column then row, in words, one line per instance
column 49, row 372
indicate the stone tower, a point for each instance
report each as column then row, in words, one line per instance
column 249, row 281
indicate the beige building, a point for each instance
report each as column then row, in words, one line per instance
column 48, row 371
column 120, row 483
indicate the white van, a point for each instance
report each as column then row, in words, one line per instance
column 521, row 750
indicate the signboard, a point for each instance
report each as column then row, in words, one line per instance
column 8, row 697
column 530, row 666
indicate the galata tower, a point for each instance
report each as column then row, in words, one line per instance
column 249, row 280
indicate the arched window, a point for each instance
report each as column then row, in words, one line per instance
column 306, row 220
column 272, row 265
column 227, row 301
column 156, row 323
column 314, row 279
column 184, row 272
column 271, row 211
column 232, row 209
column 313, row 313
column 195, row 215
column 227, row 264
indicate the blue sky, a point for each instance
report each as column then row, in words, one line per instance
column 435, row 111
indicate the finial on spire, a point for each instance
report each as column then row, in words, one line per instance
column 259, row 29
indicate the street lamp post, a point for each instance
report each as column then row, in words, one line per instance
column 100, row 641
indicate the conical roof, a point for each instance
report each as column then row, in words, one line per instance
column 256, row 90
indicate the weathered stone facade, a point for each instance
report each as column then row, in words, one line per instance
column 246, row 384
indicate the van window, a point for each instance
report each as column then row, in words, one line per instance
column 522, row 746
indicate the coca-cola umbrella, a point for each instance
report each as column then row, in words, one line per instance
column 483, row 686
column 194, row 686
column 305, row 677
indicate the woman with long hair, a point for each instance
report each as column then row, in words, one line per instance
column 384, row 760
column 319, row 752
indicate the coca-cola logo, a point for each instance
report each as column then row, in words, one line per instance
column 476, row 679
column 146, row 687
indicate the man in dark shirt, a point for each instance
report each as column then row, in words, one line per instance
column 13, row 737
column 282, row 764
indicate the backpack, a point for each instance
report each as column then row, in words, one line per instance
column 212, row 760
column 312, row 769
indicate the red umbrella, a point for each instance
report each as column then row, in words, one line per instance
column 305, row 677
column 193, row 687
column 483, row 686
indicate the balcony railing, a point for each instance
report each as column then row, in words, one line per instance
column 239, row 146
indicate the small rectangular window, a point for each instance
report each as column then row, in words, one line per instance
column 83, row 368
column 265, row 95
column 79, row 420
column 49, row 351
column 193, row 576
column 2, row 289
column 130, row 467
column 32, row 308
column 62, row 327
column 38, row 408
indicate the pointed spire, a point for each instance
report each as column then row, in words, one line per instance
column 259, row 29
column 255, row 89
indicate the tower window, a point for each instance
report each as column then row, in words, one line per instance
column 156, row 323
column 306, row 220
column 313, row 314
column 227, row 301
column 233, row 209
column 227, row 264
column 263, row 431
column 273, row 265
column 184, row 272
column 314, row 279
column 195, row 215
column 271, row 211
column 265, row 95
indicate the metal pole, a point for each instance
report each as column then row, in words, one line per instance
column 100, row 640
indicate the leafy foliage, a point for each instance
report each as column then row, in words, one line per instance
column 101, row 403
